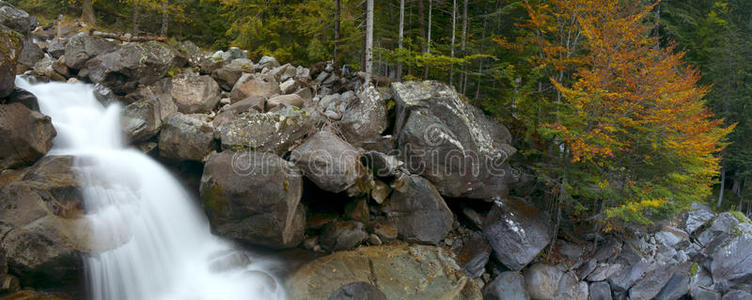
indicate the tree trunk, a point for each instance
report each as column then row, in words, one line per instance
column 422, row 24
column 369, row 41
column 87, row 12
column 165, row 18
column 336, row 30
column 723, row 185
column 464, row 46
column 741, row 195
column 401, row 34
column 134, row 21
column 454, row 34
column 428, row 39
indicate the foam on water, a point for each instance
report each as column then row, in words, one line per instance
column 154, row 243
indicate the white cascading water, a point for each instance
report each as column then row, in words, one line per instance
column 154, row 242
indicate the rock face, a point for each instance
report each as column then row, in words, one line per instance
column 542, row 281
column 193, row 93
column 453, row 144
column 517, row 232
column 184, row 137
column 229, row 74
column 26, row 135
column 600, row 291
column 365, row 118
column 254, row 197
column 732, row 260
column 130, row 65
column 17, row 19
column 330, row 162
column 142, row 119
column 399, row 271
column 697, row 216
column 250, row 85
column 268, row 132
column 82, row 47
column 508, row 285
column 12, row 44
column 418, row 211
column 43, row 229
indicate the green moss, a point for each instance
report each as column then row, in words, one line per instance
column 693, row 270
column 214, row 200
column 740, row 216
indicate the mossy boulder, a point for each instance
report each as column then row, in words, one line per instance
column 11, row 44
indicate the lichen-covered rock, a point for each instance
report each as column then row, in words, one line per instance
column 26, row 135
column 17, row 19
column 254, row 197
column 418, row 210
column 508, row 285
column 268, row 132
column 229, row 74
column 542, row 281
column 571, row 288
column 358, row 291
column 732, row 260
column 194, row 93
column 251, row 105
column 330, row 162
column 11, row 45
column 400, row 271
column 142, row 119
column 131, row 65
column 365, row 117
column 30, row 54
column 291, row 100
column 268, row 62
column 185, row 137
column 517, row 232
column 82, row 47
column 697, row 216
column 453, row 144
column 250, row 85
column 651, row 283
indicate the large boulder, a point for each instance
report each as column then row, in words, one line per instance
column 250, row 85
column 17, row 19
column 30, row 54
column 542, row 281
column 130, row 65
column 254, row 197
column 142, row 119
column 229, row 74
column 517, row 232
column 418, row 211
column 508, row 285
column 185, row 137
column 732, row 260
column 43, row 227
column 82, row 47
column 268, row 132
column 344, row 235
column 194, row 93
column 160, row 90
column 600, row 290
column 12, row 45
column 330, row 162
column 26, row 135
column 459, row 149
column 399, row 271
column 651, row 283
column 357, row 291
column 233, row 111
column 697, row 216
column 365, row 117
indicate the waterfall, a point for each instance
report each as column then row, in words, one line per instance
column 152, row 241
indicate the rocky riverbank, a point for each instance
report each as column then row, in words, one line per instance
column 397, row 191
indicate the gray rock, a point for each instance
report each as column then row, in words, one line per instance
column 342, row 235
column 330, row 162
column 82, row 47
column 27, row 135
column 251, row 105
column 12, row 46
column 268, row 62
column 131, row 65
column 159, row 90
column 732, row 261
column 358, row 291
column 229, row 74
column 251, row 85
column 571, row 288
column 30, row 54
column 474, row 255
column 542, row 281
column 718, row 231
column 517, row 232
column 400, row 270
column 185, row 137
column 737, row 295
column 254, row 197
column 44, row 68
column 508, row 285
column 600, row 291
column 703, row 293
column 453, row 144
column 418, row 211
column 672, row 237
column 57, row 48
column 675, row 288
column 23, row 97
column 268, row 132
column 194, row 93
column 142, row 119
column 604, row 271
column 289, row 86
column 622, row 281
column 291, row 100
column 365, row 117
column 697, row 216
column 17, row 19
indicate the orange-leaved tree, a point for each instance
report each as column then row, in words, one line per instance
column 630, row 126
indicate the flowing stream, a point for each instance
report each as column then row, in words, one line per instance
column 154, row 243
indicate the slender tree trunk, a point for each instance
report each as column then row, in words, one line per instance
column 336, row 30
column 741, row 195
column 464, row 46
column 454, row 34
column 165, row 18
column 87, row 12
column 723, row 186
column 369, row 41
column 401, row 34
column 428, row 39
column 134, row 15
column 422, row 24
column 480, row 64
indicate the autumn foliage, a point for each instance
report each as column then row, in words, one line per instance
column 630, row 116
